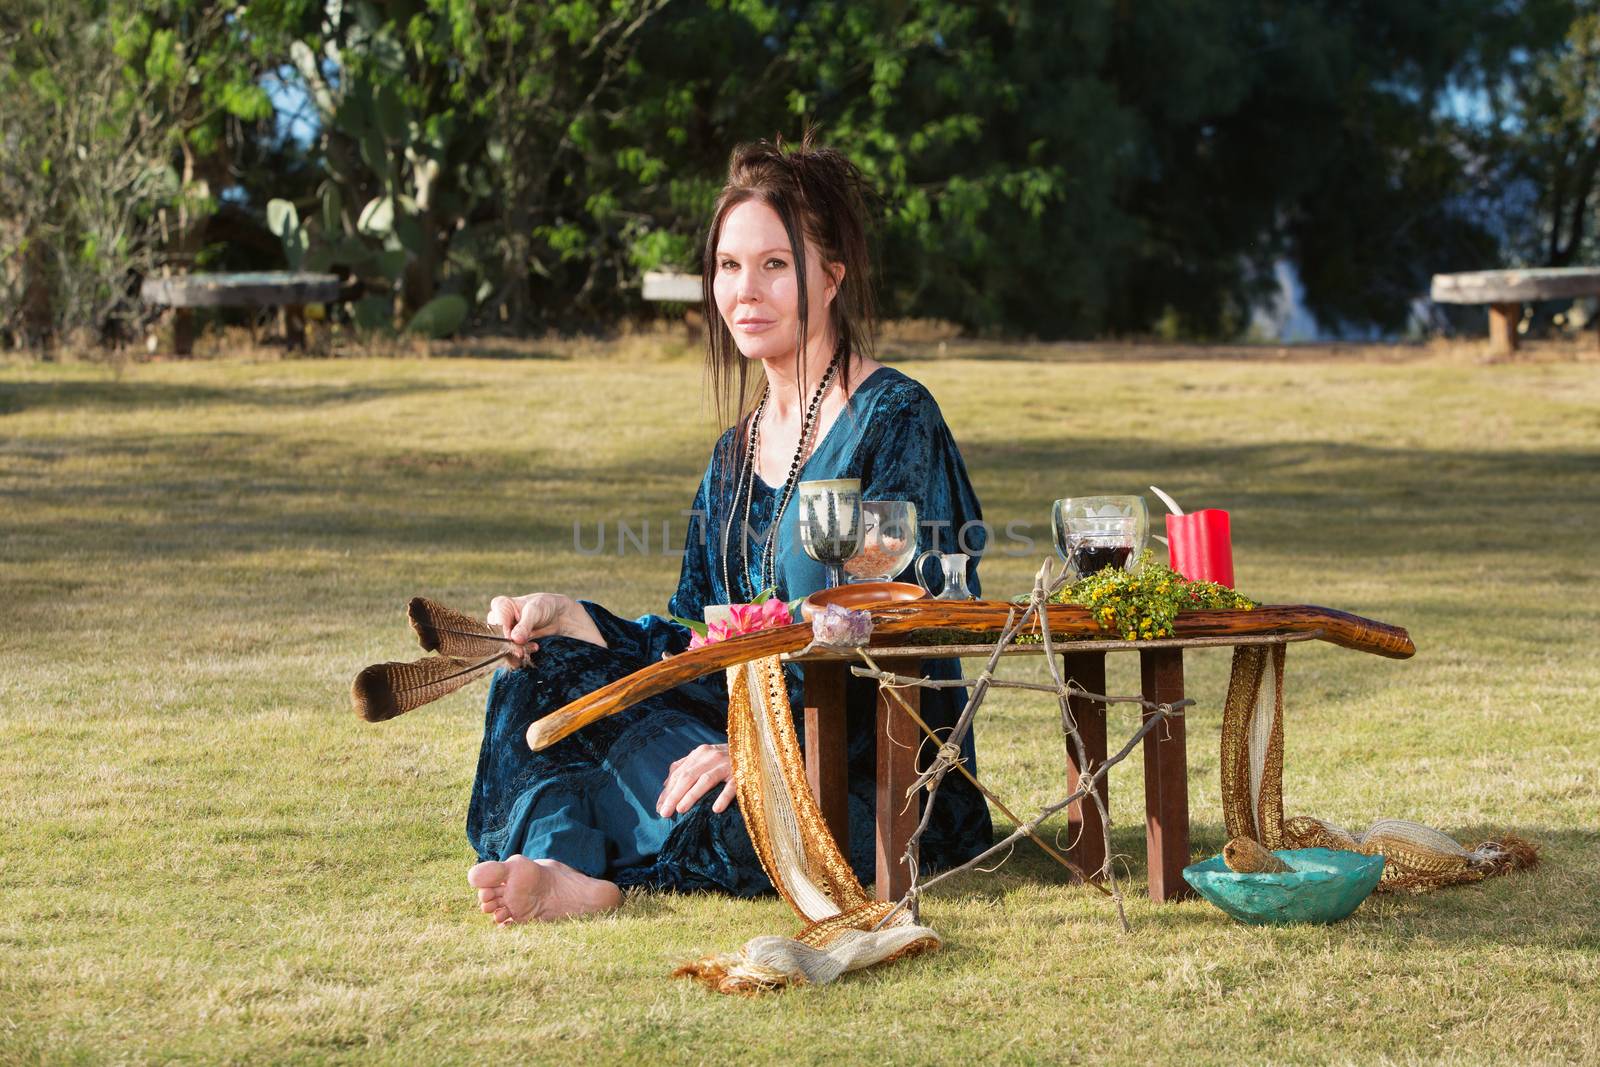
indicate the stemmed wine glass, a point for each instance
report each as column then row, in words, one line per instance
column 1096, row 532
column 830, row 522
column 890, row 540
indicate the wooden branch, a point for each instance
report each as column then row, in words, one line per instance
column 815, row 653
column 1002, row 683
column 980, row 690
column 945, row 683
column 1044, row 585
column 979, row 616
column 933, row 778
column 1071, row 736
column 1086, row 785
column 968, row 775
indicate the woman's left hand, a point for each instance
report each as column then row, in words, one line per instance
column 695, row 775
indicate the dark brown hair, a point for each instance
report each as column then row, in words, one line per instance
column 818, row 194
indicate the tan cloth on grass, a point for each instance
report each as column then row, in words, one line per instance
column 799, row 855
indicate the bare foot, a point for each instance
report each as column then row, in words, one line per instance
column 521, row 890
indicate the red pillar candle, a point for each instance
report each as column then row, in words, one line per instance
column 1201, row 546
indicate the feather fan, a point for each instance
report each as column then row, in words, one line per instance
column 450, row 633
column 385, row 690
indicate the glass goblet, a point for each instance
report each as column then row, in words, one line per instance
column 889, row 540
column 1095, row 532
column 830, row 522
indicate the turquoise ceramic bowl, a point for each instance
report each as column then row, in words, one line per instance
column 1324, row 887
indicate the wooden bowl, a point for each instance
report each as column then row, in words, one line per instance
column 860, row 595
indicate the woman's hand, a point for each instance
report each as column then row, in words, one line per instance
column 695, row 775
column 524, row 619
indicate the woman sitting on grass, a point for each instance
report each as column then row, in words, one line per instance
column 646, row 797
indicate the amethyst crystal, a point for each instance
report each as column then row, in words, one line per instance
column 840, row 627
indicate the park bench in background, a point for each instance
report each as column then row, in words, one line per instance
column 289, row 291
column 1505, row 291
column 670, row 287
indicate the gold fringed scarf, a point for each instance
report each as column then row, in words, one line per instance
column 1252, row 746
column 1416, row 857
column 799, row 855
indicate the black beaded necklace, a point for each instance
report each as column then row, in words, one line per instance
column 746, row 482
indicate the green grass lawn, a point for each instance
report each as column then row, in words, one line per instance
column 204, row 856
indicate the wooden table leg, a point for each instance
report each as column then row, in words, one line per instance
column 1166, row 778
column 1084, row 827
column 1503, row 320
column 898, row 741
column 828, row 746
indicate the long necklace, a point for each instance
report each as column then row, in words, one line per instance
column 746, row 480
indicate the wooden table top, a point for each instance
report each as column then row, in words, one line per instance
column 903, row 620
column 1062, row 647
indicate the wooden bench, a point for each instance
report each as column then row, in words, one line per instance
column 1505, row 291
column 290, row 291
column 671, row 287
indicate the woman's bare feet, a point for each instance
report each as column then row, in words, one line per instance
column 521, row 890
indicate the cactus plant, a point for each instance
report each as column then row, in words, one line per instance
column 386, row 152
column 284, row 222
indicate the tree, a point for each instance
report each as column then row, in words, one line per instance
column 118, row 124
column 1047, row 169
column 1539, row 151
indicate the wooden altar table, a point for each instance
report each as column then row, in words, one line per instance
column 896, row 628
column 1166, row 787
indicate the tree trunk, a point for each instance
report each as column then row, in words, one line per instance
column 38, row 305
column 202, row 177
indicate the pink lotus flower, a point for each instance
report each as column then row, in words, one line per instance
column 744, row 619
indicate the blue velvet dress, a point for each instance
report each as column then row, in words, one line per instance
column 589, row 800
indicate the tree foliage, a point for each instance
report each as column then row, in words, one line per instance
column 120, row 122
column 1540, row 145
column 1057, row 170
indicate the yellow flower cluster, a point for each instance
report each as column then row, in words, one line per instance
column 1141, row 604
